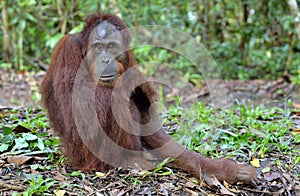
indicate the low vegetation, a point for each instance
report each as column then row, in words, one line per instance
column 269, row 139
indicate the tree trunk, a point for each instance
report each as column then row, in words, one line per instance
column 295, row 12
column 6, row 48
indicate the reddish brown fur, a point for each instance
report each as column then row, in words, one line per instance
column 56, row 96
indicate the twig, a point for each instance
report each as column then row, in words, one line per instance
column 258, row 191
column 10, row 187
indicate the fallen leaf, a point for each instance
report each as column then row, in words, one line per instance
column 59, row 177
column 296, row 105
column 168, row 185
column 190, row 185
column 271, row 176
column 100, row 174
column 213, row 181
column 255, row 162
column 88, row 188
column 134, row 172
column 19, row 160
column 227, row 186
column 297, row 131
column 266, row 169
column 191, row 193
column 21, row 129
column 123, row 192
column 114, row 192
column 297, row 188
column 194, row 180
column 143, row 172
column 144, row 191
column 59, row 192
column 287, row 177
column 162, row 190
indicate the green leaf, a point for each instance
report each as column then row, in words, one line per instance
column 8, row 139
column 30, row 17
column 266, row 169
column 7, row 130
column 51, row 42
column 29, row 136
column 76, row 173
column 77, row 29
column 20, row 143
column 34, row 166
column 4, row 147
column 22, row 25
column 166, row 173
column 48, row 184
column 297, row 160
column 40, row 144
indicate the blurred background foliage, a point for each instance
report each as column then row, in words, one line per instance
column 248, row 39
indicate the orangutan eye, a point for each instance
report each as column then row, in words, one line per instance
column 113, row 48
column 99, row 46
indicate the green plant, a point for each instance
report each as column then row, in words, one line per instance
column 78, row 173
column 230, row 131
column 248, row 39
column 38, row 185
column 160, row 169
column 24, row 135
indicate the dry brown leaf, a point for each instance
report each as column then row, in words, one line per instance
column 213, row 181
column 190, row 185
column 297, row 131
column 191, row 193
column 296, row 105
column 271, row 176
column 19, row 160
column 88, row 188
column 287, row 177
column 227, row 186
column 59, row 177
column 168, row 185
column 21, row 129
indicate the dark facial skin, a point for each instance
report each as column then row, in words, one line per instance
column 104, row 56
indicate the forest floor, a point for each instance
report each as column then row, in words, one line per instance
column 20, row 91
